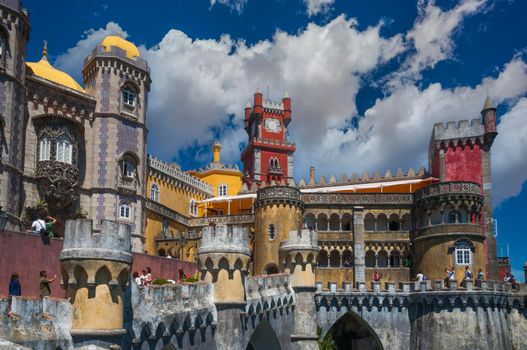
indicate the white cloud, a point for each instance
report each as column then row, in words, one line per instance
column 72, row 60
column 198, row 83
column 236, row 5
column 315, row 7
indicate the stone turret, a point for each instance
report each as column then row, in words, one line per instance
column 278, row 211
column 224, row 259
column 298, row 256
column 95, row 274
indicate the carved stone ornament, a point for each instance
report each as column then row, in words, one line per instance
column 58, row 181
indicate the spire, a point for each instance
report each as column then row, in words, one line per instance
column 248, row 105
column 286, row 94
column 488, row 104
column 45, row 50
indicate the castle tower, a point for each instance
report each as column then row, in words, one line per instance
column 95, row 274
column 119, row 80
column 224, row 260
column 461, row 152
column 14, row 35
column 278, row 211
column 268, row 155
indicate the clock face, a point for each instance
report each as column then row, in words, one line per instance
column 272, row 125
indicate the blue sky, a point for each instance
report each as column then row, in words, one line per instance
column 367, row 78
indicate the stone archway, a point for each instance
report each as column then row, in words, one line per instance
column 352, row 332
column 264, row 338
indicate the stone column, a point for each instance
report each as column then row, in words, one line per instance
column 359, row 267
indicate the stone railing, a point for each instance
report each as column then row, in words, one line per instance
column 171, row 309
column 446, row 188
column 222, row 219
column 127, row 184
column 358, row 198
column 167, row 212
column 279, row 194
column 173, row 171
column 225, row 239
column 117, row 52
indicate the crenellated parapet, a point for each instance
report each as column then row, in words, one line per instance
column 298, row 256
column 179, row 314
column 95, row 274
column 270, row 296
column 276, row 195
column 223, row 258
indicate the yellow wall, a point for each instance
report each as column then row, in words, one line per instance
column 219, row 177
column 171, row 196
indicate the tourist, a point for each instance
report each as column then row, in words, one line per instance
column 137, row 279
column 376, row 277
column 39, row 226
column 14, row 285
column 148, row 276
column 45, row 289
column 481, row 275
column 468, row 273
column 420, row 277
column 452, row 274
column 50, row 224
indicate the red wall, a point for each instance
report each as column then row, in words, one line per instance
column 26, row 254
column 463, row 164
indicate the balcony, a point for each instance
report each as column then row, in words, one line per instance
column 127, row 184
column 58, row 181
column 222, row 219
column 448, row 188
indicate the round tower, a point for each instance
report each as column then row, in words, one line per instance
column 449, row 230
column 223, row 258
column 278, row 211
column 95, row 274
column 298, row 256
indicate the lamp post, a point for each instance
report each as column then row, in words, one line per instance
column 3, row 219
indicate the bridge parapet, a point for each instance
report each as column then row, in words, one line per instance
column 172, row 312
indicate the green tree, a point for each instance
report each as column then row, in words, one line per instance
column 325, row 341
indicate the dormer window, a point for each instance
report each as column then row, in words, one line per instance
column 222, row 190
column 64, row 151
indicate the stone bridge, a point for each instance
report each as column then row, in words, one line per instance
column 417, row 316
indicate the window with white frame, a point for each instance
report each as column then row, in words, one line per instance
column 129, row 95
column 193, row 208
column 463, row 252
column 154, row 193
column 222, row 190
column 125, row 211
column 45, row 149
column 64, row 151
column 128, row 168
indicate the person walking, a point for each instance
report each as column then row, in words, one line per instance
column 45, row 289
column 14, row 285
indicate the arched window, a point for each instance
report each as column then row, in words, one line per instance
column 193, row 208
column 382, row 222
column 346, row 222
column 369, row 259
column 322, row 258
column 154, row 192
column 129, row 95
column 64, row 151
column 382, row 259
column 334, row 222
column 125, row 211
column 394, row 224
column 309, row 221
column 463, row 215
column 322, row 222
column 222, row 190
column 45, row 149
column 347, row 258
column 334, row 258
column 436, row 217
column 452, row 217
column 395, row 259
column 463, row 252
column 369, row 222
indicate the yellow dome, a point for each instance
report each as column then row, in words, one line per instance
column 45, row 70
column 113, row 40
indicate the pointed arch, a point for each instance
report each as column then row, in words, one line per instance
column 352, row 332
column 264, row 338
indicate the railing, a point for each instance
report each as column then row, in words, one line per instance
column 166, row 212
column 451, row 187
column 358, row 198
column 128, row 184
column 175, row 172
column 222, row 219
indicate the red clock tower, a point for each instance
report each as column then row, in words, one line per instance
column 268, row 155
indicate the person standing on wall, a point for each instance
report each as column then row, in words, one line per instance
column 14, row 285
column 45, row 289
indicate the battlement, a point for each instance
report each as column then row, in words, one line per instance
column 268, row 293
column 113, row 242
column 172, row 310
column 224, row 238
column 30, row 316
column 300, row 240
column 462, row 129
column 267, row 104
